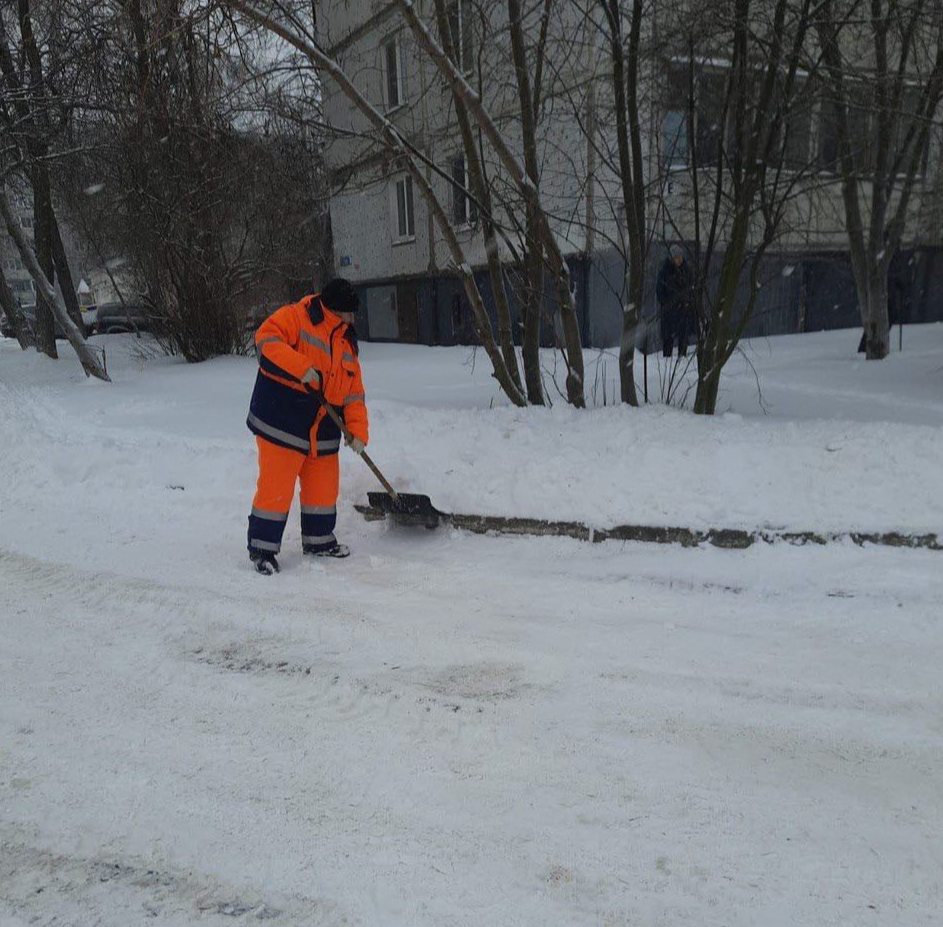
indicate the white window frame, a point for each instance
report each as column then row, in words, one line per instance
column 469, row 220
column 402, row 234
column 395, row 42
column 671, row 160
column 463, row 40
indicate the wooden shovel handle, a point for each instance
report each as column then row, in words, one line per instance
column 348, row 437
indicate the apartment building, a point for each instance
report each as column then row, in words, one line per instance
column 387, row 243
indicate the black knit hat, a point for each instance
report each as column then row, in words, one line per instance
column 339, row 296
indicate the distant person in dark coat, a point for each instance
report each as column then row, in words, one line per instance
column 673, row 290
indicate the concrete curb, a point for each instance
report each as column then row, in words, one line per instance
column 729, row 538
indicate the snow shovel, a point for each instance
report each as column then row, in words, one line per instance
column 405, row 507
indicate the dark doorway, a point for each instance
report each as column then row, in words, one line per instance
column 407, row 311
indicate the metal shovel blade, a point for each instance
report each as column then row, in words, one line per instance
column 407, row 509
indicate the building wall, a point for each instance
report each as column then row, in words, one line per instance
column 362, row 215
column 805, row 279
column 15, row 272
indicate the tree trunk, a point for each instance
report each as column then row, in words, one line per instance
column 719, row 340
column 11, row 309
column 42, row 232
column 891, row 66
column 502, row 307
column 624, row 81
column 37, row 146
column 64, row 274
column 708, row 385
column 90, row 362
column 533, row 277
column 877, row 335
column 533, row 264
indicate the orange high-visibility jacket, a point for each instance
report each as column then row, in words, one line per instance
column 292, row 340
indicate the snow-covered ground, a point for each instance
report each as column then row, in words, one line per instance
column 458, row 730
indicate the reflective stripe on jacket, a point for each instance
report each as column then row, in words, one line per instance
column 292, row 340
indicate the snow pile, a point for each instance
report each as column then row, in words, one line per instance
column 830, row 443
column 661, row 466
column 844, row 445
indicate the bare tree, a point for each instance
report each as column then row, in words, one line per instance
column 286, row 26
column 498, row 204
column 34, row 119
column 883, row 76
column 206, row 170
column 528, row 93
column 481, row 192
column 736, row 124
column 91, row 363
column 625, row 55
column 572, row 350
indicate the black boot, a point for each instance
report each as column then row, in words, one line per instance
column 264, row 561
column 330, row 550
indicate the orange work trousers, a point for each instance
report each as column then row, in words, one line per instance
column 279, row 471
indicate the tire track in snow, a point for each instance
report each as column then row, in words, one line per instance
column 386, row 693
column 42, row 886
column 233, row 645
column 90, row 589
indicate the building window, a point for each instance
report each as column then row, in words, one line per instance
column 864, row 127
column 394, row 73
column 12, row 264
column 713, row 136
column 674, row 133
column 709, row 118
column 859, row 137
column 461, row 26
column 26, row 222
column 798, row 129
column 404, row 220
column 707, row 87
column 910, row 115
column 464, row 208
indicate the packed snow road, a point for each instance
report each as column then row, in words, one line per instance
column 586, row 738
column 444, row 729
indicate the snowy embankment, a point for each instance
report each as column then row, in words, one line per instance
column 448, row 729
column 843, row 445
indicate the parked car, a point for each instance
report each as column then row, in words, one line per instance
column 29, row 317
column 117, row 318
